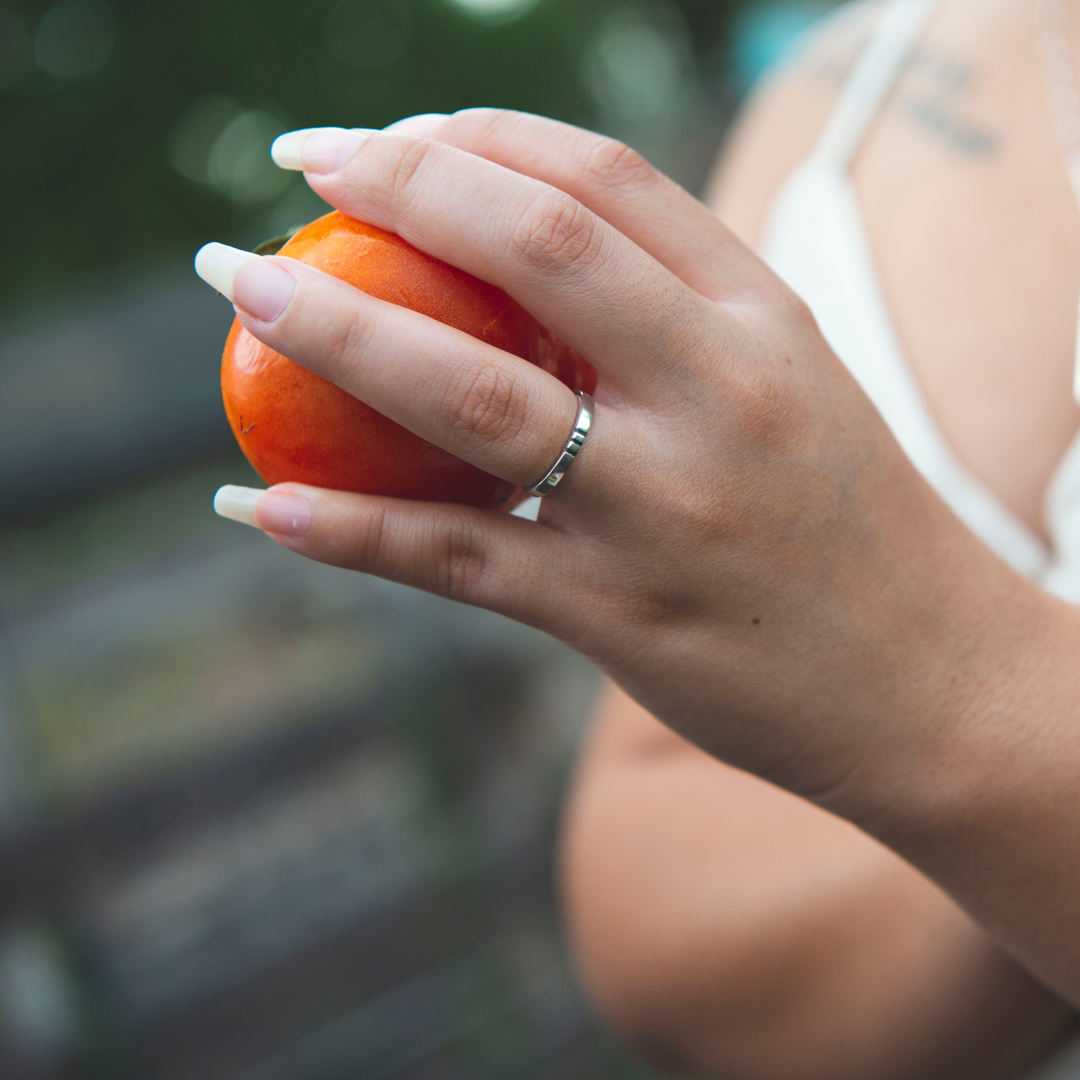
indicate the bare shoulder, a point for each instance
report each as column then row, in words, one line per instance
column 780, row 125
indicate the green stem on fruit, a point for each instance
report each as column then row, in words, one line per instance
column 272, row 247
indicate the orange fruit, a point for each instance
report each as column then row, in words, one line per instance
column 294, row 425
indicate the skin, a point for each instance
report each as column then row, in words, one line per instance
column 722, row 924
column 740, row 545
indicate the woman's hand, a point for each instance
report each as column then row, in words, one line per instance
column 740, row 544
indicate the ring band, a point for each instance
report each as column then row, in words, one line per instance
column 582, row 426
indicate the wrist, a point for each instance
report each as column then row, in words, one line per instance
column 962, row 697
column 970, row 775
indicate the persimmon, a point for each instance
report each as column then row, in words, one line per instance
column 297, row 426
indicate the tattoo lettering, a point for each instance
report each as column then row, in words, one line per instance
column 964, row 137
column 931, row 91
column 951, row 75
column 936, row 104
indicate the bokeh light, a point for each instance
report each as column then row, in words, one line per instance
column 641, row 66
column 75, row 38
column 219, row 143
column 495, row 12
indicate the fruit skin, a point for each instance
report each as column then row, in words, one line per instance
column 294, row 425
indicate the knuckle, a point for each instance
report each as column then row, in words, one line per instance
column 348, row 343
column 485, row 121
column 459, row 558
column 613, row 164
column 372, row 540
column 556, row 233
column 763, row 389
column 452, row 553
column 764, row 406
column 405, row 169
column 798, row 313
column 488, row 407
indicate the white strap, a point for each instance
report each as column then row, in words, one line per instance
column 873, row 77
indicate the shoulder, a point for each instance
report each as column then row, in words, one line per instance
column 780, row 124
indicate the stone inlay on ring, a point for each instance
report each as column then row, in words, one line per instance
column 582, row 426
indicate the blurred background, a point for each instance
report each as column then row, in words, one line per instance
column 260, row 819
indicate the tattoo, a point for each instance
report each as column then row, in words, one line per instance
column 952, row 75
column 937, row 104
column 932, row 95
column 961, row 135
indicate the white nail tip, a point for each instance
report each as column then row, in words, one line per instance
column 217, row 265
column 237, row 503
column 286, row 148
column 423, row 126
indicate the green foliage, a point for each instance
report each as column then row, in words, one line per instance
column 92, row 145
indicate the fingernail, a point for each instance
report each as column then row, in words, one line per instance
column 318, row 150
column 263, row 289
column 423, row 126
column 271, row 511
column 217, row 264
column 237, row 503
column 286, row 148
column 288, row 515
column 260, row 287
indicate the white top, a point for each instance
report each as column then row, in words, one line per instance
column 817, row 243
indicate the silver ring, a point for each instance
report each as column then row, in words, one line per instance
column 582, row 426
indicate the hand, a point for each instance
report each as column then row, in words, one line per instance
column 740, row 544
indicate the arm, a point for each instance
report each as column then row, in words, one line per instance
column 724, row 925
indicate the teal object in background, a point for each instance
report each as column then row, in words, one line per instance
column 765, row 33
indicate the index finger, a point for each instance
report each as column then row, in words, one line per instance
column 581, row 278
column 615, row 182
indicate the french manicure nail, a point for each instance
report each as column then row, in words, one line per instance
column 258, row 286
column 271, row 511
column 287, row 515
column 326, row 151
column 217, row 264
column 263, row 289
column 286, row 148
column 422, row 126
column 237, row 503
column 318, row 150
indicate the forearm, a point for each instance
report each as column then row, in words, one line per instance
column 974, row 780
column 970, row 772
column 727, row 927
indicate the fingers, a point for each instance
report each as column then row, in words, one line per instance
column 614, row 182
column 494, row 410
column 479, row 558
column 580, row 276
